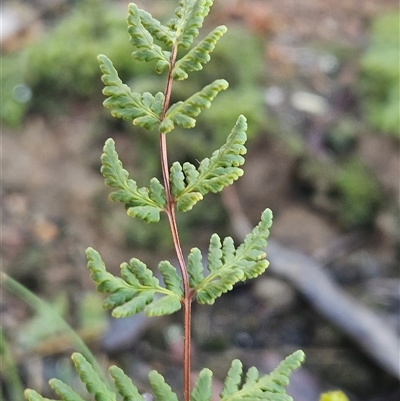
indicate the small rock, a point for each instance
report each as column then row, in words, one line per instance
column 274, row 292
column 309, row 102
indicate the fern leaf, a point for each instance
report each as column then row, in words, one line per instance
column 143, row 110
column 162, row 391
column 155, row 28
column 280, row 375
column 182, row 113
column 172, row 280
column 189, row 19
column 233, row 379
column 188, row 184
column 124, row 385
column 227, row 265
column 163, row 306
column 142, row 39
column 64, row 391
column 198, row 56
column 269, row 387
column 32, row 395
column 195, row 268
column 202, row 390
column 252, row 377
column 136, row 289
column 142, row 203
column 90, row 378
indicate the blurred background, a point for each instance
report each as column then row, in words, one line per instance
column 318, row 81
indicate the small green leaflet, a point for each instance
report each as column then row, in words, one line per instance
column 90, row 378
column 233, row 379
column 66, row 392
column 198, row 56
column 203, row 388
column 135, row 291
column 227, row 265
column 189, row 184
column 142, row 39
column 269, row 387
column 189, row 19
column 154, row 27
column 32, row 395
column 162, row 391
column 124, row 385
column 143, row 110
column 142, row 203
column 182, row 113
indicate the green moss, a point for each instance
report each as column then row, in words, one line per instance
column 342, row 138
column 359, row 194
column 347, row 190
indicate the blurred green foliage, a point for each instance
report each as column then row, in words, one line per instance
column 380, row 75
column 346, row 189
column 359, row 194
column 42, row 326
column 62, row 66
column 11, row 382
column 13, row 108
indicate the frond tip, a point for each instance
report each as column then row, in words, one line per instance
column 227, row 265
column 189, row 19
column 189, row 184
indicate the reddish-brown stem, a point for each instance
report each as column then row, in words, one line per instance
column 170, row 210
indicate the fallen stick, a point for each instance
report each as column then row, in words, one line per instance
column 372, row 333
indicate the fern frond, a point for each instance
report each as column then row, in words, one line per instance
column 269, row 387
column 32, row 395
column 195, row 268
column 91, row 379
column 233, row 379
column 189, row 19
column 94, row 385
column 155, row 28
column 189, row 185
column 124, row 385
column 137, row 287
column 182, row 113
column 162, row 391
column 142, row 39
column 227, row 265
column 202, row 390
column 143, row 110
column 142, row 203
column 64, row 391
column 198, row 56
